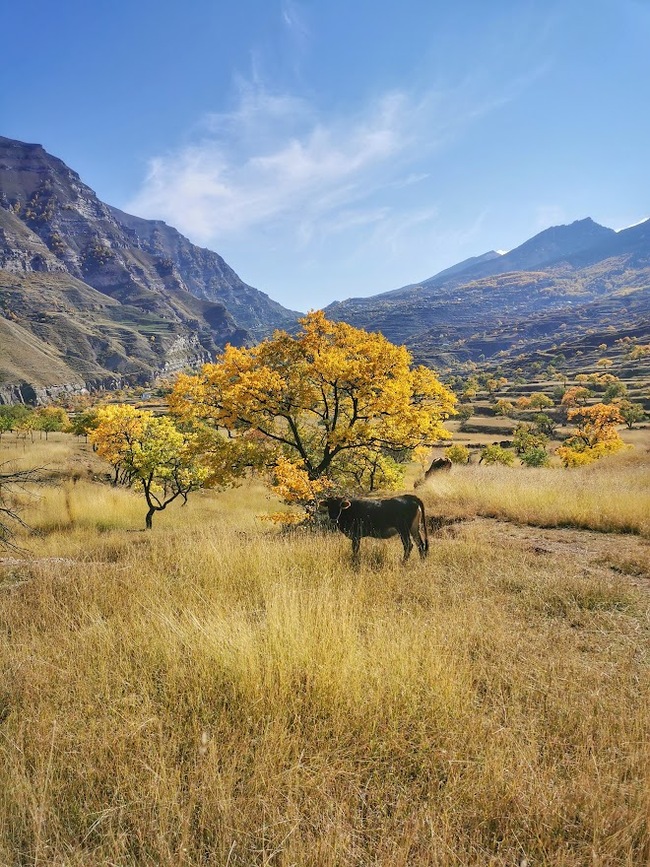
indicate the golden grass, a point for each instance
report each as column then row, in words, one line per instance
column 612, row 495
column 215, row 692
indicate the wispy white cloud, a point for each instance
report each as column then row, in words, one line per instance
column 272, row 158
column 274, row 163
column 295, row 21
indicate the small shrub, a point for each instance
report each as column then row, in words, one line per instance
column 537, row 456
column 457, row 454
column 497, row 455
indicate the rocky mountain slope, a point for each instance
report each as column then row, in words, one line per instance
column 558, row 286
column 91, row 295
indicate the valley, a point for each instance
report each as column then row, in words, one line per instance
column 217, row 689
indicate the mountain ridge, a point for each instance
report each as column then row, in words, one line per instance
column 561, row 268
column 91, row 295
column 165, row 292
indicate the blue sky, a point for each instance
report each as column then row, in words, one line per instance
column 341, row 148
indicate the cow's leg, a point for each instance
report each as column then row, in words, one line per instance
column 417, row 538
column 356, row 545
column 419, row 541
column 406, row 541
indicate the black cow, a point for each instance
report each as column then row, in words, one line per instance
column 438, row 465
column 397, row 516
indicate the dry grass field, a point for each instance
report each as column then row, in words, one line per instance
column 215, row 692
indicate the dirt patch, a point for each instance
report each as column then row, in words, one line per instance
column 625, row 555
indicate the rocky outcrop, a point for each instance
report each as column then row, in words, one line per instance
column 205, row 274
column 35, row 395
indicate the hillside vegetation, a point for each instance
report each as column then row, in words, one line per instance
column 215, row 691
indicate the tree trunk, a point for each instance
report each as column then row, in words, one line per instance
column 149, row 518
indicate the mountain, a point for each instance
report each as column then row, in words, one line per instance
column 463, row 266
column 551, row 245
column 106, row 296
column 91, row 296
column 565, row 280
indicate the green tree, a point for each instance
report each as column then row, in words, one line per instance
column 526, row 437
column 50, row 419
column 544, row 424
column 539, row 400
column 614, row 391
column 6, row 422
column 631, row 413
column 84, row 422
column 465, row 412
column 151, row 454
column 558, row 392
column 536, row 456
column 11, row 415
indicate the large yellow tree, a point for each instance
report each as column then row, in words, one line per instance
column 334, row 401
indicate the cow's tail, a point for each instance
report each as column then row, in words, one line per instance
column 424, row 525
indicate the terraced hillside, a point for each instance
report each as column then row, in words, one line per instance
column 558, row 288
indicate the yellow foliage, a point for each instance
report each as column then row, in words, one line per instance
column 327, row 397
column 572, row 457
column 576, row 395
column 119, row 426
column 458, row 453
column 149, row 452
column 284, row 519
column 422, row 455
column 595, row 435
column 51, row 418
column 292, row 483
column 640, row 350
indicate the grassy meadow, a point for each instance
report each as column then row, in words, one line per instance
column 217, row 692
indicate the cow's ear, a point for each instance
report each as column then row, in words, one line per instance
column 346, row 504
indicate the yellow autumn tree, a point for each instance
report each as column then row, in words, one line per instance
column 149, row 453
column 333, row 401
column 595, row 436
column 575, row 396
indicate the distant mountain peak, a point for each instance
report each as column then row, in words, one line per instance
column 483, row 306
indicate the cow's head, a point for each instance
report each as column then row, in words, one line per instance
column 334, row 506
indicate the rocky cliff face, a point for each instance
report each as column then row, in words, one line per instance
column 109, row 292
column 205, row 275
